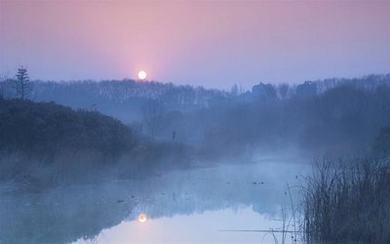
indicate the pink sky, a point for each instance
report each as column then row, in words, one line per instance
column 210, row 43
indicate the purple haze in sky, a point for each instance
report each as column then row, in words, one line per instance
column 214, row 44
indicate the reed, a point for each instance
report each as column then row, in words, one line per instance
column 348, row 202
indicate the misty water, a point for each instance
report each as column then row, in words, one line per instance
column 199, row 205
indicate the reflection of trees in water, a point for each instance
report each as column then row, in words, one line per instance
column 234, row 186
column 67, row 214
column 60, row 216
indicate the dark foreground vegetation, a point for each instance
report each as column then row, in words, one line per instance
column 46, row 130
column 45, row 144
column 349, row 203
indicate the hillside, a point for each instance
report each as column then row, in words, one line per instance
column 38, row 129
column 48, row 144
column 41, row 142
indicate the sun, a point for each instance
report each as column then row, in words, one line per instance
column 142, row 218
column 142, row 75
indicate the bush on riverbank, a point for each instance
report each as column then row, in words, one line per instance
column 46, row 144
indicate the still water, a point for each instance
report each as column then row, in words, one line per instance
column 202, row 205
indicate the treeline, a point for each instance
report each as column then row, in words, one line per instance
column 127, row 99
column 332, row 115
column 382, row 143
column 123, row 99
column 46, row 144
column 342, row 120
column 46, row 129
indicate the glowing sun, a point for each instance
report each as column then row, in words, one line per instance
column 142, row 75
column 142, row 218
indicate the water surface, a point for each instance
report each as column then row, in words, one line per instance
column 199, row 205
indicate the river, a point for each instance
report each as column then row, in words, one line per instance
column 226, row 203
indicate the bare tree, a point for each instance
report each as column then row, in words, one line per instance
column 3, row 86
column 23, row 85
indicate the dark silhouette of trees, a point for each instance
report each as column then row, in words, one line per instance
column 45, row 144
column 332, row 114
column 307, row 89
column 382, row 142
column 264, row 91
column 23, row 85
column 3, row 86
column 46, row 129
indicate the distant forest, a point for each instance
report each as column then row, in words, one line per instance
column 326, row 116
column 138, row 124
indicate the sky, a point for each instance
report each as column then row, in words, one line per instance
column 211, row 43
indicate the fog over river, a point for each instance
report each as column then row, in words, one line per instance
column 199, row 205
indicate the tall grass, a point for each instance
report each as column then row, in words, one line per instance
column 348, row 202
